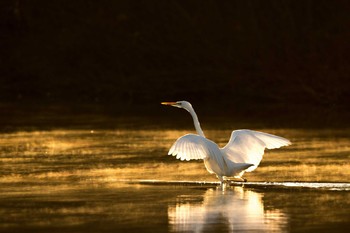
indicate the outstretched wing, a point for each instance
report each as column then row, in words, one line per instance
column 247, row 146
column 192, row 146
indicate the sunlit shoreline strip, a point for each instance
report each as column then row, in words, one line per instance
column 313, row 185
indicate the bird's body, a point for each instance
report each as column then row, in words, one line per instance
column 242, row 153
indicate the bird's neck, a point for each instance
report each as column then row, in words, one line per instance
column 196, row 123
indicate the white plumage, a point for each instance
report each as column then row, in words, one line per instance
column 243, row 152
column 247, row 146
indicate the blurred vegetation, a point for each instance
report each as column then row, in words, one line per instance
column 247, row 57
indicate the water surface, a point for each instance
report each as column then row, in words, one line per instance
column 94, row 180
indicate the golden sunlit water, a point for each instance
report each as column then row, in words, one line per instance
column 124, row 181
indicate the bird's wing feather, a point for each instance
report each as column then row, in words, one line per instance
column 192, row 146
column 247, row 146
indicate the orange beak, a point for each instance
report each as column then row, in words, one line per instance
column 168, row 103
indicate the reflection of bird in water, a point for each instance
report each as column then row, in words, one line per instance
column 242, row 153
column 232, row 210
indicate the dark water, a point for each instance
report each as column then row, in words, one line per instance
column 123, row 181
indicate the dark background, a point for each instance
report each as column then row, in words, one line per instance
column 276, row 61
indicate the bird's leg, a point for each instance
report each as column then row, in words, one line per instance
column 223, row 182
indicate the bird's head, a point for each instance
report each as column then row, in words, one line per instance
column 179, row 104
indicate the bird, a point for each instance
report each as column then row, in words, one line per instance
column 242, row 153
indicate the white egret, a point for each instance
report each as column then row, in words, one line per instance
column 242, row 153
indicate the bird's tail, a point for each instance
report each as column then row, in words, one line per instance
column 239, row 168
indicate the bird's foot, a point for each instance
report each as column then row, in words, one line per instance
column 224, row 185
